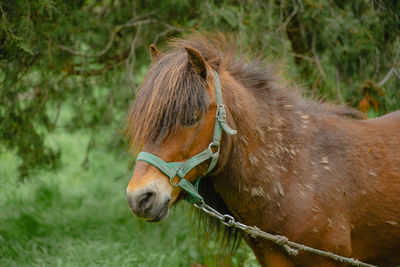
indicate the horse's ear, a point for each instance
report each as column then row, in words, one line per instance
column 154, row 52
column 197, row 61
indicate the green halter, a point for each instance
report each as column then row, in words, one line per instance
column 180, row 169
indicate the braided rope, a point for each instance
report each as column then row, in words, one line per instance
column 291, row 247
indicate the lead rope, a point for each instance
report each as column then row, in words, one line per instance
column 291, row 247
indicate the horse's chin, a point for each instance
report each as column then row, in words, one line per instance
column 161, row 216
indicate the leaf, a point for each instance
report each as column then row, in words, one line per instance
column 24, row 46
column 230, row 15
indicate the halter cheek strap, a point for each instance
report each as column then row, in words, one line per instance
column 180, row 169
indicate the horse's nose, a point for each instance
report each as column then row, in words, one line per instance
column 141, row 202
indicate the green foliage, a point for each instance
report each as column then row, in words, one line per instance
column 345, row 45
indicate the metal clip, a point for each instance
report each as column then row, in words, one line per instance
column 228, row 220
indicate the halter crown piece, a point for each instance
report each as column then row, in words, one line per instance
column 180, row 169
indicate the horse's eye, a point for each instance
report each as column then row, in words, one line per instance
column 191, row 121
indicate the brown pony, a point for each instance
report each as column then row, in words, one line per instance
column 319, row 174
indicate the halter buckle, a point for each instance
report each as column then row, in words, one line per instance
column 175, row 184
column 221, row 114
column 214, row 144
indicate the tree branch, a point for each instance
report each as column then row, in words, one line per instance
column 392, row 70
column 110, row 41
column 130, row 61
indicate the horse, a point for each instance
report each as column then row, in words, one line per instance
column 320, row 174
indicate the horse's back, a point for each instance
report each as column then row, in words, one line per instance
column 391, row 119
column 379, row 200
column 384, row 134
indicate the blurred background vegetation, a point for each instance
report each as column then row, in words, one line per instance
column 69, row 71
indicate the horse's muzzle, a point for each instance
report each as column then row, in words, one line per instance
column 148, row 204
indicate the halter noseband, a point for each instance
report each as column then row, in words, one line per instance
column 180, row 169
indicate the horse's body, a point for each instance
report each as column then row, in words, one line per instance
column 295, row 168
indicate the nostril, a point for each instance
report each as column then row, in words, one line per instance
column 146, row 200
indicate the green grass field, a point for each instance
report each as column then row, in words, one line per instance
column 78, row 217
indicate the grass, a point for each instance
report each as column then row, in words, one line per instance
column 79, row 217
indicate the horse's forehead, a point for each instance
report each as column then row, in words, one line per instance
column 166, row 77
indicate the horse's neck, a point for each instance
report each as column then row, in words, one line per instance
column 261, row 154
